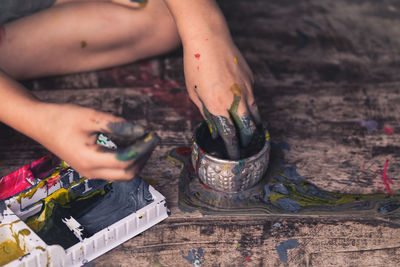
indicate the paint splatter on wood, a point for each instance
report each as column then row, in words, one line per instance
column 388, row 130
column 370, row 125
column 385, row 179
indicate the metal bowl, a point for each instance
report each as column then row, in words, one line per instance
column 229, row 176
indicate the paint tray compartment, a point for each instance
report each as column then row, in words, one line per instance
column 26, row 211
column 16, row 240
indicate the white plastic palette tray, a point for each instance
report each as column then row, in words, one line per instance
column 38, row 253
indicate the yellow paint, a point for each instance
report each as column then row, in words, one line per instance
column 267, row 137
column 174, row 160
column 24, row 232
column 274, row 197
column 62, row 197
column 235, row 60
column 225, row 167
column 29, row 194
column 236, row 89
column 148, row 138
column 41, row 248
column 9, row 251
column 210, row 127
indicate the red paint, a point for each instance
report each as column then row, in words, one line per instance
column 385, row 179
column 184, row 151
column 247, row 259
column 206, row 39
column 198, row 68
column 22, row 178
column 388, row 130
column 177, row 99
column 205, row 187
column 51, row 182
column 15, row 182
column 202, row 151
column 197, row 56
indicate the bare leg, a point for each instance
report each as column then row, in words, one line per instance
column 85, row 35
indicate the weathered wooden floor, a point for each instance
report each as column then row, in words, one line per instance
column 321, row 66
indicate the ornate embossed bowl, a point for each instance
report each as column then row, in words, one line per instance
column 228, row 176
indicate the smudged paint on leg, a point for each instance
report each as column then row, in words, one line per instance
column 197, row 56
column 126, row 129
column 235, row 59
column 2, row 34
column 83, row 44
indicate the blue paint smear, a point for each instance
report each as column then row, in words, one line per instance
column 292, row 174
column 388, row 207
column 194, row 257
column 277, row 224
column 287, row 204
column 370, row 125
column 280, row 188
column 284, row 246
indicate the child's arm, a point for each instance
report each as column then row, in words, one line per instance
column 70, row 132
column 218, row 79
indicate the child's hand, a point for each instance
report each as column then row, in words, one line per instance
column 219, row 82
column 70, row 132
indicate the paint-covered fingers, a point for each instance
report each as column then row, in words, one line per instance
column 127, row 161
column 139, row 148
column 245, row 125
column 124, row 128
column 210, row 122
column 228, row 134
column 108, row 124
column 253, row 109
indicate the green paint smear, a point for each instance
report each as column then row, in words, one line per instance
column 318, row 197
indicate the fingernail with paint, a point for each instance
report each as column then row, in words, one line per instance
column 126, row 129
column 140, row 148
